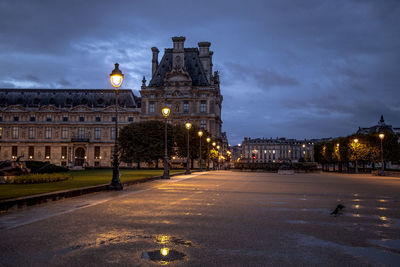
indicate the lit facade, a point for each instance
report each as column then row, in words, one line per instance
column 277, row 150
column 67, row 127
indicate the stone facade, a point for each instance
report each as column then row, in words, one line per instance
column 184, row 81
column 68, row 127
column 76, row 127
column 277, row 150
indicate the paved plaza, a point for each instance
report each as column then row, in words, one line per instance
column 220, row 218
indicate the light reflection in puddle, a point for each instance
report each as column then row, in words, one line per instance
column 163, row 256
column 382, row 208
column 382, row 200
column 356, row 200
column 356, row 206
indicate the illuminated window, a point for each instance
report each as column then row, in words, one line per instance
column 47, row 152
column 1, row 132
column 63, row 152
column 31, row 152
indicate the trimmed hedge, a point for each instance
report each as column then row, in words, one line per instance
column 44, row 167
column 37, row 178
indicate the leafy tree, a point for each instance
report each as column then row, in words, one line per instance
column 144, row 141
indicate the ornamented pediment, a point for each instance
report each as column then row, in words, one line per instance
column 14, row 108
column 48, row 108
column 81, row 108
column 177, row 76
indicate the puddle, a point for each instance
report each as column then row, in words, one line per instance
column 163, row 256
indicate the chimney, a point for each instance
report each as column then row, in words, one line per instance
column 154, row 61
column 178, row 52
column 205, row 58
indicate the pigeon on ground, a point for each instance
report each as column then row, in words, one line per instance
column 338, row 210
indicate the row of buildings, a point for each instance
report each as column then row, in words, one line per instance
column 262, row 150
column 76, row 127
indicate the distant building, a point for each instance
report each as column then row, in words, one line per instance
column 277, row 150
column 67, row 127
column 381, row 126
column 184, row 81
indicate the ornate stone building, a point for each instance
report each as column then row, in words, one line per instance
column 184, row 81
column 277, row 150
column 67, row 127
column 75, row 127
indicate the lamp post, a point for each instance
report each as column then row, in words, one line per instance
column 165, row 112
column 218, row 156
column 200, row 134
column 355, row 148
column 116, row 78
column 208, row 153
column 214, row 144
column 381, row 136
column 188, row 125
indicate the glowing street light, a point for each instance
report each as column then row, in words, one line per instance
column 200, row 134
column 165, row 112
column 356, row 150
column 116, row 78
column 381, row 136
column 208, row 153
column 188, row 125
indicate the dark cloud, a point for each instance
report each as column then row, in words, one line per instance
column 297, row 69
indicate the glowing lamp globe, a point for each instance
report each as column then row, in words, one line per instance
column 356, row 140
column 381, row 136
column 214, row 144
column 208, row 139
column 188, row 125
column 165, row 111
column 200, row 133
column 116, row 76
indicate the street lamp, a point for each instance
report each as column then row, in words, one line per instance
column 355, row 148
column 208, row 153
column 218, row 156
column 165, row 112
column 200, row 133
column 214, row 144
column 381, row 136
column 188, row 125
column 116, row 78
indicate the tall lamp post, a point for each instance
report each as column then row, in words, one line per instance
column 218, row 156
column 356, row 150
column 214, row 144
column 381, row 136
column 200, row 133
column 165, row 112
column 188, row 125
column 116, row 78
column 208, row 153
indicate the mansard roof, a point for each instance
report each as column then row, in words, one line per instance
column 67, row 97
column 192, row 65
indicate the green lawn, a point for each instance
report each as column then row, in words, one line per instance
column 80, row 179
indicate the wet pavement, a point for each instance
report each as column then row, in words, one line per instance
column 214, row 219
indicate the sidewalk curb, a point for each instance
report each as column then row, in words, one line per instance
column 21, row 202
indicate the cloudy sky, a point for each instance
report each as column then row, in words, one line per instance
column 296, row 69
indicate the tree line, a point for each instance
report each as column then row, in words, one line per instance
column 365, row 149
column 145, row 142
